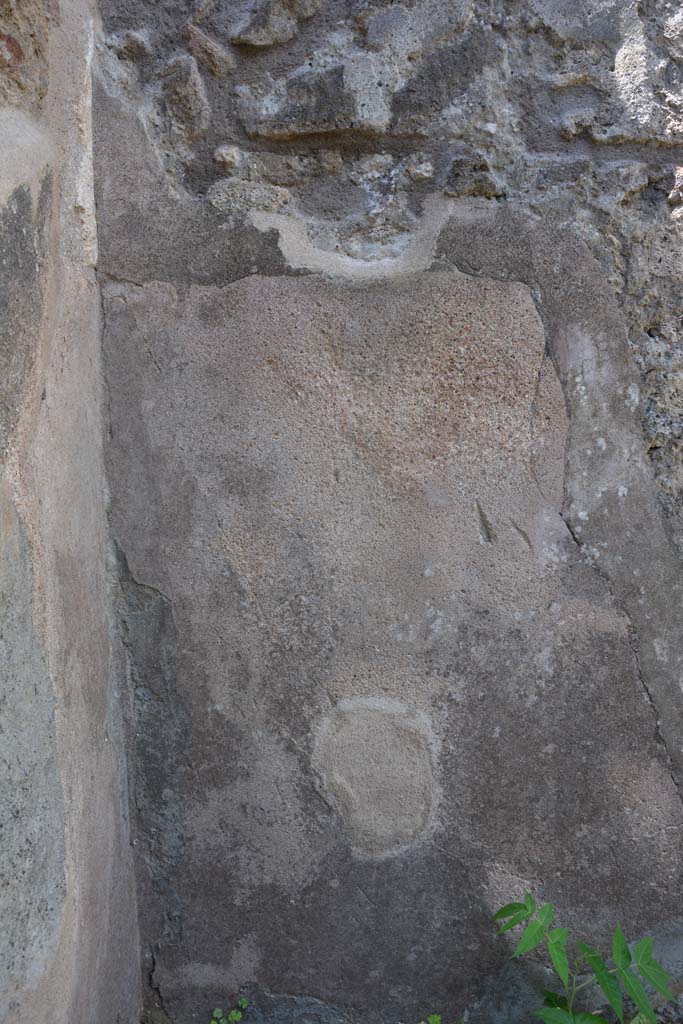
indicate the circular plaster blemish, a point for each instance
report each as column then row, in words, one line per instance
column 374, row 759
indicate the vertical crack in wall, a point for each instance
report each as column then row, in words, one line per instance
column 537, row 292
column 154, row 984
column 659, row 735
column 634, row 644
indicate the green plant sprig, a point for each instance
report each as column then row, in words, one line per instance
column 233, row 1016
column 615, row 981
column 435, row 1018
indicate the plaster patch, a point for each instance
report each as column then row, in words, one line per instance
column 374, row 757
column 301, row 252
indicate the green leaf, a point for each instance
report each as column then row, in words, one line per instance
column 508, row 910
column 218, row 1013
column 235, row 1016
column 546, row 914
column 644, row 949
column 620, row 951
column 529, row 903
column 650, row 969
column 434, row 1018
column 243, row 1003
column 554, row 1015
column 637, row 993
column 530, row 938
column 607, row 982
column 557, row 948
column 553, row 999
column 655, row 975
column 519, row 917
column 587, row 1018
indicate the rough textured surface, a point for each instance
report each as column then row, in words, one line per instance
column 32, row 884
column 375, row 764
column 370, row 108
column 68, row 943
column 392, row 298
column 24, row 53
column 23, row 258
column 390, row 647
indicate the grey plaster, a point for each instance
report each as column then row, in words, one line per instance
column 607, row 478
column 68, row 943
column 360, row 510
column 32, row 882
column 158, row 741
column 375, row 763
column 22, row 257
column 391, row 299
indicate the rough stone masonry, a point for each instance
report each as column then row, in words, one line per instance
column 391, row 342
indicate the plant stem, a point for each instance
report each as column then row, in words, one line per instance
column 572, row 993
column 593, row 981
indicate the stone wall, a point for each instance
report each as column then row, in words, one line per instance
column 375, row 328
column 68, row 943
column 393, row 302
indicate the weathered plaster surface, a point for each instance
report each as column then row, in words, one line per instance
column 392, row 299
column 351, row 123
column 374, row 759
column 32, row 885
column 68, row 944
column 393, row 662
